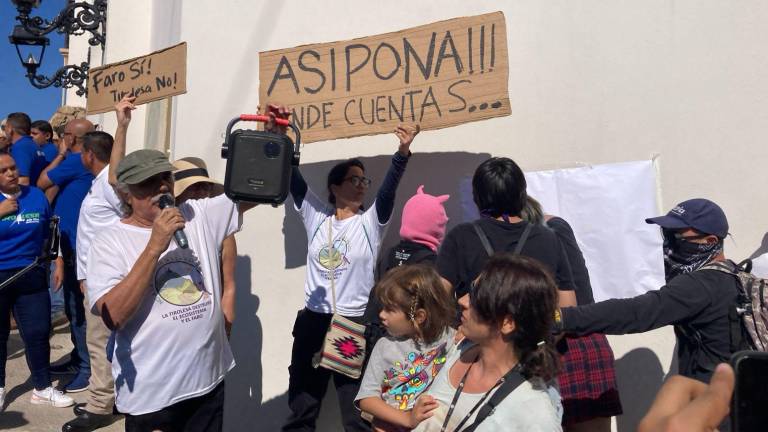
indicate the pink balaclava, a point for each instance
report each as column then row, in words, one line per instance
column 424, row 219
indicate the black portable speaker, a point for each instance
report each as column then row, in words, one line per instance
column 259, row 163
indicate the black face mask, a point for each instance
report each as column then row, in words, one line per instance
column 683, row 256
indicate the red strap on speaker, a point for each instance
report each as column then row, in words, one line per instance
column 263, row 119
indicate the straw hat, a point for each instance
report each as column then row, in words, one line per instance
column 188, row 171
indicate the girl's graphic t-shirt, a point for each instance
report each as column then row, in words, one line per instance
column 400, row 370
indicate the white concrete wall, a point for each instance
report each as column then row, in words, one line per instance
column 590, row 82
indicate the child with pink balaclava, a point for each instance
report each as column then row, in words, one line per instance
column 421, row 232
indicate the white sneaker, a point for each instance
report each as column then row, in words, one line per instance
column 51, row 396
column 2, row 398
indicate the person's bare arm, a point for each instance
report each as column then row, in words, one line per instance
column 228, row 260
column 566, row 298
column 44, row 182
column 24, row 181
column 118, row 305
column 687, row 405
column 123, row 111
column 381, row 411
column 51, row 193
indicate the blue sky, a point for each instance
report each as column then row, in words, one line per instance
column 16, row 93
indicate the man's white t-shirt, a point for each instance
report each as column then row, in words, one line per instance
column 100, row 210
column 351, row 258
column 174, row 347
column 760, row 266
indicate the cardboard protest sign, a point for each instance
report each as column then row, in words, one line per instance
column 439, row 75
column 151, row 77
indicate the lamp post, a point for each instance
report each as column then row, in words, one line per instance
column 75, row 19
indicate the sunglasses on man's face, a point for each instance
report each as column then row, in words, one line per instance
column 357, row 181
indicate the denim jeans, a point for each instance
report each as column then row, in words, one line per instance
column 75, row 310
column 28, row 298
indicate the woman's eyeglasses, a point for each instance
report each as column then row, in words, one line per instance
column 357, row 181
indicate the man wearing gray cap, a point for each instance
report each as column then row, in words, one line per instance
column 162, row 300
column 696, row 300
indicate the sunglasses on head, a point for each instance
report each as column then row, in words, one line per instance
column 464, row 289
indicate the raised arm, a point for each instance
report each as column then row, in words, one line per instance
column 44, row 182
column 385, row 199
column 123, row 111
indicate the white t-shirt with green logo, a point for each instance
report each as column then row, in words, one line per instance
column 352, row 258
column 174, row 347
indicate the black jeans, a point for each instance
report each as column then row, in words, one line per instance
column 307, row 385
column 201, row 414
column 30, row 302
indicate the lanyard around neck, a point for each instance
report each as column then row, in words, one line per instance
column 459, row 389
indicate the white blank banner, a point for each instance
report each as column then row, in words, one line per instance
column 607, row 205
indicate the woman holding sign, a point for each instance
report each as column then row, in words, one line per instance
column 344, row 240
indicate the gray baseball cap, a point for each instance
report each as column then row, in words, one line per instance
column 142, row 164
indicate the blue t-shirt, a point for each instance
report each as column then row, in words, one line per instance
column 29, row 160
column 22, row 233
column 74, row 181
column 49, row 151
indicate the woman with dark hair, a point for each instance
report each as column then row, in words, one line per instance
column 24, row 218
column 499, row 192
column 589, row 403
column 506, row 360
column 344, row 240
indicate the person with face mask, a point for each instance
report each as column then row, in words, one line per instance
column 696, row 300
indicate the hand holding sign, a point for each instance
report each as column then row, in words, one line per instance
column 276, row 112
column 406, row 134
column 123, row 110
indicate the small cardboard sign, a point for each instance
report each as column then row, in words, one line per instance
column 151, row 77
column 438, row 75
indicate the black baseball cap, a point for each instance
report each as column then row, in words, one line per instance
column 700, row 214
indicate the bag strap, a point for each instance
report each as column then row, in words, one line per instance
column 333, row 270
column 512, row 380
column 523, row 239
column 483, row 238
column 487, row 243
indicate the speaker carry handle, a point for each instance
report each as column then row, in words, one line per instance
column 263, row 119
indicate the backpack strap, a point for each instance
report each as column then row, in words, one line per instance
column 487, row 243
column 512, row 380
column 523, row 239
column 483, row 238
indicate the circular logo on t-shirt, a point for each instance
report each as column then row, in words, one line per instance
column 332, row 258
column 178, row 281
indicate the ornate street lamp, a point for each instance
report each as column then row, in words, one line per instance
column 75, row 19
column 66, row 77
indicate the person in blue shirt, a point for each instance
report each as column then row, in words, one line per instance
column 42, row 134
column 24, row 221
column 67, row 180
column 29, row 162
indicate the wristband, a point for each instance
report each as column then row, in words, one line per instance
column 557, row 326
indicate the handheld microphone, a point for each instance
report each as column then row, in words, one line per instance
column 166, row 201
